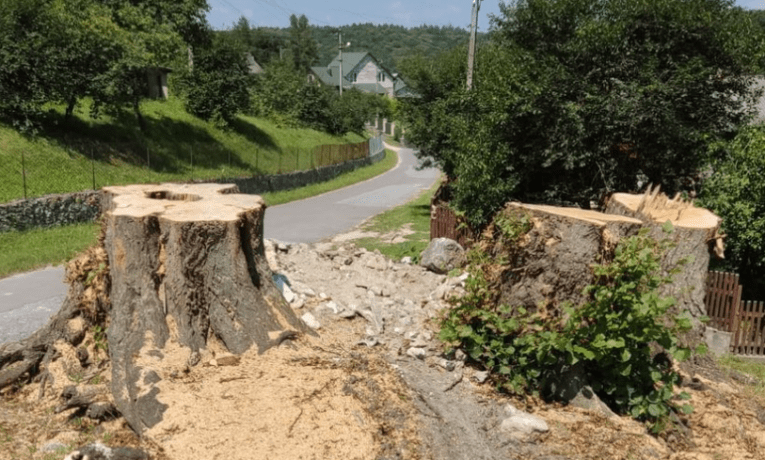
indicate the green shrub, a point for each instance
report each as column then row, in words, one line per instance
column 611, row 336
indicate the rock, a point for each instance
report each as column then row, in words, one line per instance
column 282, row 283
column 417, row 352
column 368, row 341
column 298, row 304
column 406, row 260
column 446, row 364
column 332, row 305
column 227, row 360
column 442, row 255
column 310, row 321
column 53, row 447
column 717, row 341
column 587, row 399
column 521, row 424
column 481, row 376
column 98, row 451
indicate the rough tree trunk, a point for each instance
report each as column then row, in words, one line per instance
column 552, row 262
column 186, row 264
column 694, row 236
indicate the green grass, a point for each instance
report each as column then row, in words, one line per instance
column 23, row 251
column 175, row 146
column 414, row 215
column 751, row 367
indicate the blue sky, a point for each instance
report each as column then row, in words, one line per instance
column 408, row 13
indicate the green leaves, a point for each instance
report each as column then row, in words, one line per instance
column 526, row 352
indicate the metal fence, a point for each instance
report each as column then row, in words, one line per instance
column 30, row 174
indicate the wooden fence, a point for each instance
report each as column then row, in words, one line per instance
column 722, row 300
column 325, row 155
column 444, row 223
column 727, row 312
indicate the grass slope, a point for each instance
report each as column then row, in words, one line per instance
column 174, row 147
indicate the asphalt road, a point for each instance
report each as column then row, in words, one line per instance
column 27, row 300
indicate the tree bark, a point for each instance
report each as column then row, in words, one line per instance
column 552, row 262
column 186, row 263
column 694, row 237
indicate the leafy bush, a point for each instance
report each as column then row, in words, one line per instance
column 736, row 192
column 611, row 336
column 574, row 99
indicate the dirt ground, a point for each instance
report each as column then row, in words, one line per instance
column 373, row 385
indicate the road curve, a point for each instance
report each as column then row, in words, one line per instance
column 27, row 300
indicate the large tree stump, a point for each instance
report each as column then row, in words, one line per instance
column 186, row 263
column 552, row 263
column 694, row 236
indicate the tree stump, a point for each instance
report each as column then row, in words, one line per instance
column 187, row 263
column 552, row 262
column 694, row 236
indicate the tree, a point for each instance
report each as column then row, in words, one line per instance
column 304, row 49
column 242, row 34
column 575, row 99
column 51, row 51
column 57, row 51
column 736, row 192
column 217, row 88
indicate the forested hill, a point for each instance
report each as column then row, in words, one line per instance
column 389, row 43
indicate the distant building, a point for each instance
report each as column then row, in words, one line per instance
column 252, row 66
column 362, row 71
column 156, row 78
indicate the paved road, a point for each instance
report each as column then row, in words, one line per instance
column 28, row 300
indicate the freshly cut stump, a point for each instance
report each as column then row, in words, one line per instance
column 552, row 263
column 187, row 263
column 695, row 236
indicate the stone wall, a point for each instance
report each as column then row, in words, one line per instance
column 53, row 210
column 50, row 210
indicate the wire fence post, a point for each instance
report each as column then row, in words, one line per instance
column 24, row 174
column 93, row 167
column 191, row 157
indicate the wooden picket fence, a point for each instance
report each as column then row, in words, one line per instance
column 727, row 312
column 444, row 223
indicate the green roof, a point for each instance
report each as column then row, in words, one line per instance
column 350, row 60
column 324, row 75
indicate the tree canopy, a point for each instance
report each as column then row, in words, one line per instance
column 54, row 51
column 574, row 99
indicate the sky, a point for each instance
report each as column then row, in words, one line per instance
column 408, row 13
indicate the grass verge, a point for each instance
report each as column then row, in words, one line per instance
column 750, row 367
column 28, row 250
column 404, row 230
column 31, row 249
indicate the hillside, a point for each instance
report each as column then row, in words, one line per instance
column 387, row 42
column 175, row 146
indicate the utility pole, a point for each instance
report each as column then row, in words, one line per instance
column 340, row 46
column 471, row 47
